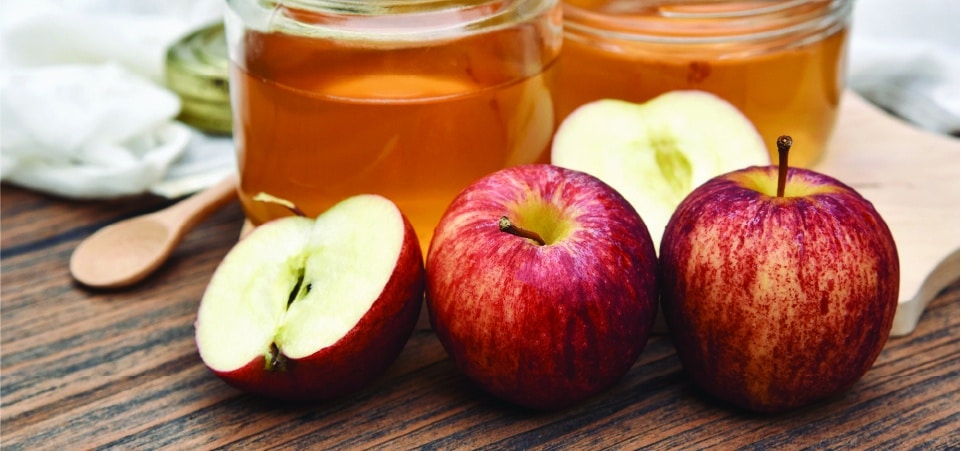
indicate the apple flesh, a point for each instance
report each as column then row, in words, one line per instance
column 304, row 309
column 541, row 285
column 655, row 153
column 776, row 302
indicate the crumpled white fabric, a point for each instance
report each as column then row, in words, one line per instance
column 84, row 110
column 904, row 58
column 87, row 131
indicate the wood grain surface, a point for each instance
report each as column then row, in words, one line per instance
column 84, row 369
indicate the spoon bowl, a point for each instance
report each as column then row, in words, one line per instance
column 126, row 252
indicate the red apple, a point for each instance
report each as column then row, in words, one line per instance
column 305, row 309
column 779, row 286
column 541, row 285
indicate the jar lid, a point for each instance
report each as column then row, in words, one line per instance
column 197, row 70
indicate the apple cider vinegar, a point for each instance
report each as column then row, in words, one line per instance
column 409, row 105
column 780, row 62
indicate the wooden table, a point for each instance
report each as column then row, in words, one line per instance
column 82, row 368
column 118, row 369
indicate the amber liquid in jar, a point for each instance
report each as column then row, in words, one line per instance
column 785, row 84
column 317, row 121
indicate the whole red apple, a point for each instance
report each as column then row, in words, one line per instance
column 305, row 309
column 779, row 286
column 541, row 285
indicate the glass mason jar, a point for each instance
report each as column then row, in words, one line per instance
column 410, row 99
column 781, row 62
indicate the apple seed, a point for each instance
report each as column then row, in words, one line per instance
column 505, row 225
column 295, row 293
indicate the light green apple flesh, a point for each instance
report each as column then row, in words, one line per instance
column 294, row 286
column 657, row 152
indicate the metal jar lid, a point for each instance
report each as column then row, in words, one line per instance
column 197, row 70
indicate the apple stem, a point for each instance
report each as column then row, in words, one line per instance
column 264, row 197
column 505, row 225
column 784, row 143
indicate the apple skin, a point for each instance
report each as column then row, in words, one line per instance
column 542, row 326
column 359, row 357
column 776, row 303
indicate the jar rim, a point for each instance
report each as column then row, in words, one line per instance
column 707, row 21
column 391, row 20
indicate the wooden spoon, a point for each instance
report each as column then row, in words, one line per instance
column 124, row 253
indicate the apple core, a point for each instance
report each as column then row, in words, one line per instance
column 674, row 166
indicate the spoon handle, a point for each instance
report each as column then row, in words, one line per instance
column 185, row 214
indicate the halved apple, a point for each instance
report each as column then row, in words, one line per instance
column 657, row 152
column 305, row 309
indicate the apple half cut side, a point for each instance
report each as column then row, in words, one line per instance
column 655, row 153
column 306, row 309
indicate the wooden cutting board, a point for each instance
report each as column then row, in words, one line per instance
column 912, row 178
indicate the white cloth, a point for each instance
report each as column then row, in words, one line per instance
column 904, row 58
column 86, row 131
column 83, row 110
